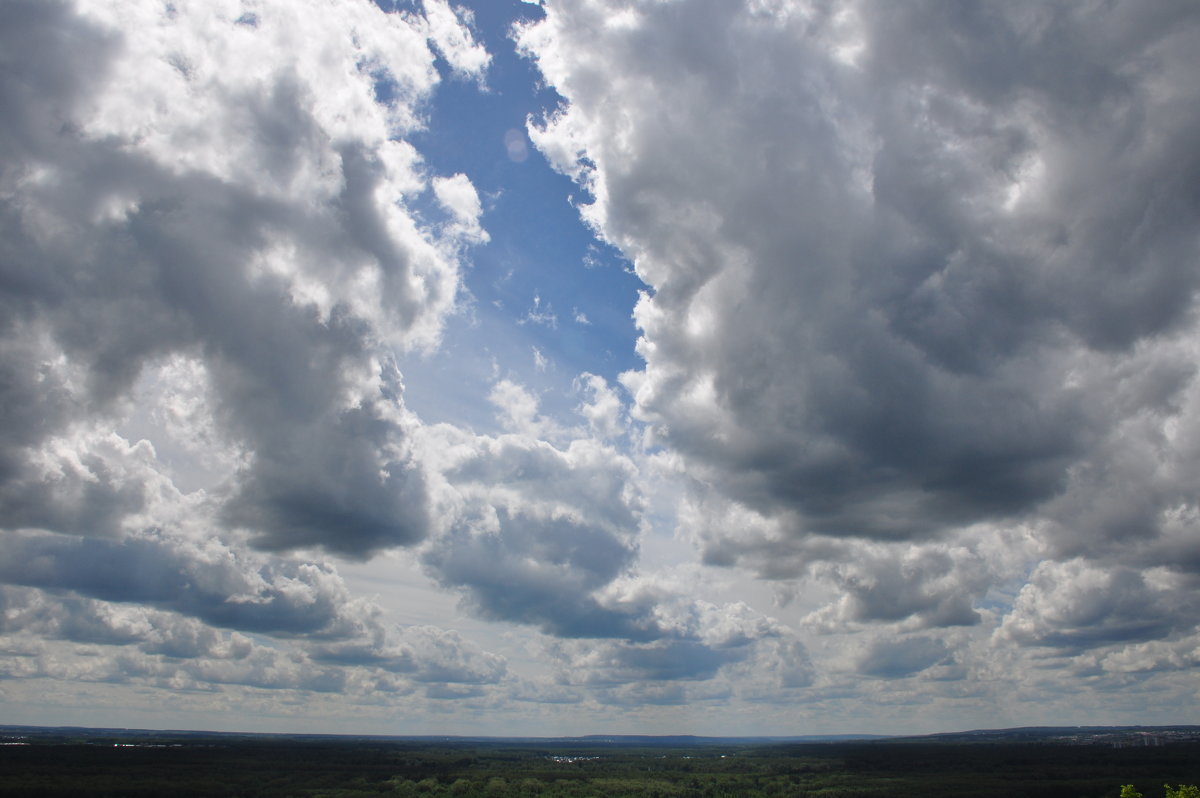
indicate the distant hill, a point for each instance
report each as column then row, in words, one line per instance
column 639, row 740
column 1117, row 736
column 1072, row 735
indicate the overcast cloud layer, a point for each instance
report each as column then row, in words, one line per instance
column 917, row 423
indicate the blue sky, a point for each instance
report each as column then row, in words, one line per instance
column 598, row 366
column 543, row 280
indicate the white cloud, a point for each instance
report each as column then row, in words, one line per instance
column 540, row 314
column 604, row 409
column 520, row 412
column 1075, row 605
column 451, row 35
column 459, row 198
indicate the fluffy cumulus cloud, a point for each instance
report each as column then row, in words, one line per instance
column 542, row 528
column 918, row 339
column 206, row 274
column 158, row 206
column 921, row 297
column 1075, row 605
column 299, row 632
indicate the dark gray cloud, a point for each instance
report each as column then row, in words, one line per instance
column 52, row 62
column 39, row 95
column 926, row 278
column 892, row 659
column 209, row 581
column 664, row 660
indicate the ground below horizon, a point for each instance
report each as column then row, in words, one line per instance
column 77, row 762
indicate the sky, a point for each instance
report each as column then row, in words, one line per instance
column 720, row 367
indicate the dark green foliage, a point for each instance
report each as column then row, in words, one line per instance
column 1182, row 791
column 254, row 767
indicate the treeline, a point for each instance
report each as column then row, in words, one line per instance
column 258, row 769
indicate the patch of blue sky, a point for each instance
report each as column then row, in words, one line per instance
column 545, row 299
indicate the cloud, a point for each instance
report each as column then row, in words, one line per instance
column 519, row 411
column 891, row 659
column 918, row 341
column 211, row 581
column 534, row 530
column 929, row 586
column 206, row 271
column 424, row 653
column 604, row 409
column 1155, row 656
column 547, row 535
column 660, row 661
column 450, row 33
column 540, row 314
column 210, row 276
column 1074, row 606
column 692, row 640
column 251, row 223
column 934, row 292
column 461, row 201
column 544, row 692
column 147, row 626
column 539, row 360
column 82, row 620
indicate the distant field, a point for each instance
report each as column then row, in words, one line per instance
column 91, row 763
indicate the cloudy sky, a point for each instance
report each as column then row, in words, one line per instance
column 645, row 366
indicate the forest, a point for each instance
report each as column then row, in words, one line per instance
column 113, row 763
